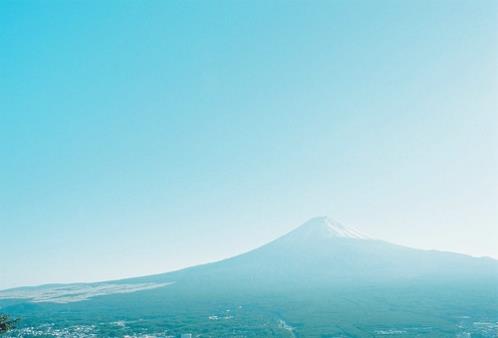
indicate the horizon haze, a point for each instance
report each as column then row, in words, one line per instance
column 318, row 226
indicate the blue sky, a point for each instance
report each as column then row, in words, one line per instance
column 141, row 137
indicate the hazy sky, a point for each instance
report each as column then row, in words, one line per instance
column 138, row 137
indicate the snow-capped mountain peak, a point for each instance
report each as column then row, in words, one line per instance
column 324, row 227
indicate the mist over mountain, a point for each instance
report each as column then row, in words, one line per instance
column 324, row 252
column 322, row 279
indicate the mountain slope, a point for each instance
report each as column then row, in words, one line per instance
column 325, row 252
column 321, row 279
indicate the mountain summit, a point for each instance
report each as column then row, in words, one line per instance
column 324, row 227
